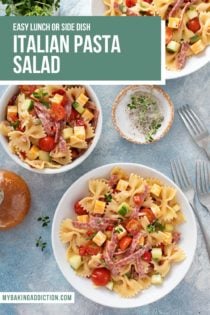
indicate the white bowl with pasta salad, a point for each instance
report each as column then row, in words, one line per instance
column 49, row 129
column 187, row 46
column 124, row 235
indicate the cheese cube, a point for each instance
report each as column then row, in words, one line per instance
column 79, row 132
column 83, row 218
column 173, row 22
column 197, row 47
column 67, row 133
column 82, row 99
column 99, row 207
column 99, row 238
column 120, row 231
column 176, row 207
column 155, row 190
column 156, row 209
column 33, row 153
column 12, row 113
column 87, row 115
column 57, row 99
column 141, row 241
column 122, row 185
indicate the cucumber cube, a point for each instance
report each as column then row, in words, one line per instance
column 156, row 253
column 156, row 279
column 75, row 261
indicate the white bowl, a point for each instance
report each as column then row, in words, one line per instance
column 11, row 90
column 193, row 64
column 103, row 296
column 125, row 126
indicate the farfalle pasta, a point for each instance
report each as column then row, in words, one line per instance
column 119, row 242
column 50, row 126
column 187, row 24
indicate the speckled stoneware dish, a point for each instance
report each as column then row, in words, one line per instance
column 123, row 123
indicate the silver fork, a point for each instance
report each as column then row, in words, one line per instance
column 203, row 183
column 196, row 127
column 183, row 181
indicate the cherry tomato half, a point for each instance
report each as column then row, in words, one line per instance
column 138, row 199
column 47, row 143
column 147, row 256
column 74, row 115
column 194, row 25
column 148, row 1
column 79, row 209
column 58, row 112
column 89, row 249
column 28, row 89
column 130, row 3
column 125, row 242
column 149, row 214
column 80, row 122
column 133, row 226
column 169, row 34
column 101, row 276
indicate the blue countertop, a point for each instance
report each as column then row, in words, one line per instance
column 23, row 267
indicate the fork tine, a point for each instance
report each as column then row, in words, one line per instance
column 196, row 119
column 198, row 176
column 206, row 176
column 174, row 173
column 183, row 173
column 188, row 124
column 179, row 171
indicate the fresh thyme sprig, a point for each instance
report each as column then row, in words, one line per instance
column 44, row 220
column 39, row 243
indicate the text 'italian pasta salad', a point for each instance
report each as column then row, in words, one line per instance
column 50, row 126
column 125, row 234
column 187, row 24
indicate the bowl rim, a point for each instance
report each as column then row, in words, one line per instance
column 48, row 171
column 123, row 92
column 87, row 176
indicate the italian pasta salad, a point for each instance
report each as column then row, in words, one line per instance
column 187, row 24
column 49, row 126
column 125, row 234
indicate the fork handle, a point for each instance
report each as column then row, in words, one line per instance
column 205, row 236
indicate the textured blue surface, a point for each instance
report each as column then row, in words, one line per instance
column 23, row 267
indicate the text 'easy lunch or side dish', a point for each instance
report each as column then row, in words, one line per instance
column 124, row 236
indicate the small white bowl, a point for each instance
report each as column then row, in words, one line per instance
column 101, row 295
column 193, row 64
column 124, row 125
column 11, row 90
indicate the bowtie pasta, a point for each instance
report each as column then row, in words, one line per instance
column 125, row 235
column 50, row 126
column 187, row 24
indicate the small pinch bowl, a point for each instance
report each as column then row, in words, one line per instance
column 124, row 125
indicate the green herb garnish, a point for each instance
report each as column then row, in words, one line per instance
column 31, row 7
column 145, row 114
column 39, row 243
column 91, row 236
column 41, row 95
column 44, row 220
column 15, row 124
column 118, row 230
column 155, row 227
column 108, row 197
